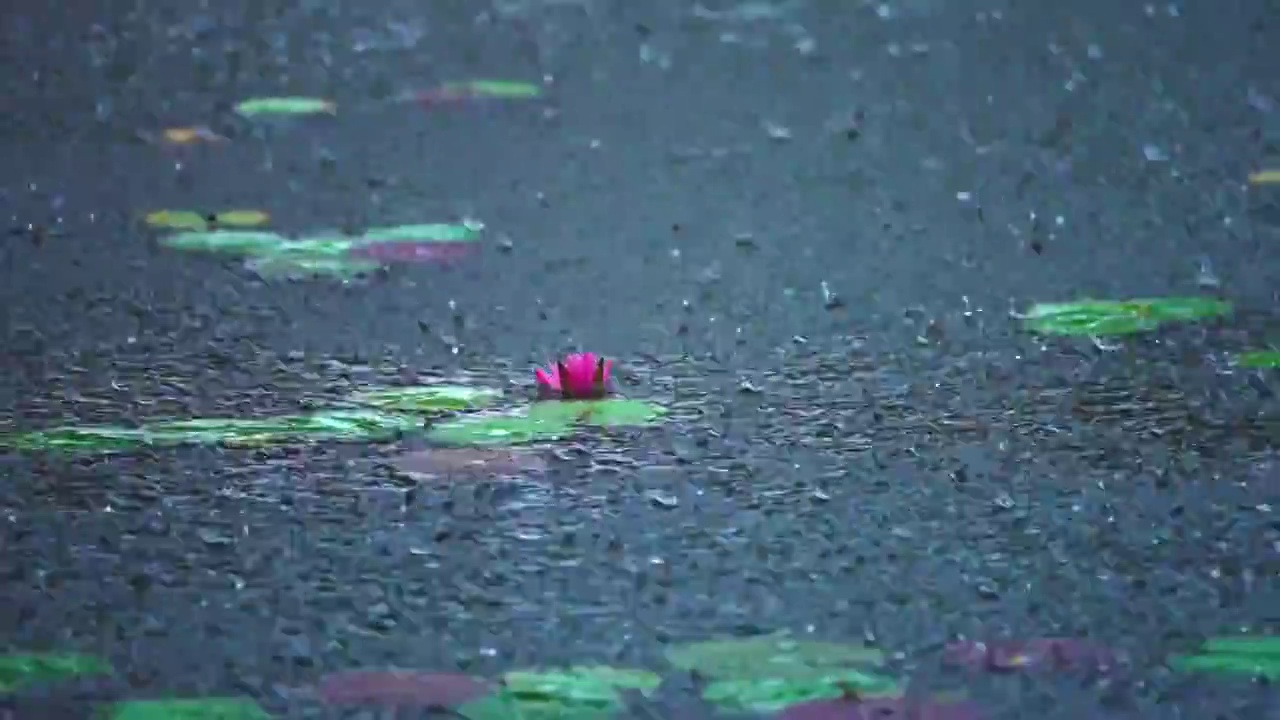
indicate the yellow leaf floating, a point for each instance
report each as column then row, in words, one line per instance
column 190, row 220
column 1265, row 177
column 256, row 107
column 190, row 135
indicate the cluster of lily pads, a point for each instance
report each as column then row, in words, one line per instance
column 769, row 675
column 444, row 414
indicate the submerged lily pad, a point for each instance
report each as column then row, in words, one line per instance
column 1260, row 359
column 580, row 693
column 400, row 688
column 770, row 694
column 507, row 429
column 770, row 656
column 285, row 106
column 210, row 708
column 20, row 670
column 1097, row 318
column 467, row 462
column 1253, row 656
column 610, row 412
column 424, row 233
column 428, row 398
column 336, row 425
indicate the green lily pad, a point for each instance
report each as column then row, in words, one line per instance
column 1260, row 359
column 429, row 232
column 428, row 398
column 493, row 89
column 348, row 426
column 301, row 266
column 238, row 242
column 19, row 670
column 1098, row 318
column 610, row 412
column 508, row 429
column 768, row 695
column 285, row 106
column 324, row 246
column 1253, row 656
column 580, row 693
column 212, row 708
column 775, row 656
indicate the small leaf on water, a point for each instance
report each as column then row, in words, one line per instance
column 492, row 89
column 1264, row 177
column 400, row 688
column 225, row 241
column 509, row 429
column 580, row 693
column 1259, row 359
column 1100, row 318
column 190, row 135
column 424, row 233
column 770, row 694
column 241, row 218
column 20, row 670
column 428, row 398
column 769, row 656
column 211, row 708
column 285, row 106
column 302, row 267
column 1252, row 656
column 177, row 220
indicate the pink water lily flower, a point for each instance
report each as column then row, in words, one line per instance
column 579, row 376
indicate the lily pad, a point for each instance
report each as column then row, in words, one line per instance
column 610, row 412
column 580, row 693
column 301, row 267
column 20, row 670
column 257, row 107
column 1253, row 656
column 770, row 694
column 506, row 89
column 190, row 220
column 428, row 398
column 424, row 233
column 211, row 708
column 1098, row 318
column 336, row 425
column 239, row 242
column 507, row 429
column 401, row 688
column 775, row 656
column 1260, row 359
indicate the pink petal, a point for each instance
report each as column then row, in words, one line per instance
column 404, row 688
column 410, row 251
column 550, row 380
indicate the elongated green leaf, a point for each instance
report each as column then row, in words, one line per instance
column 19, row 670
column 299, row 267
column 580, row 693
column 510, row 429
column 212, row 708
column 1105, row 317
column 768, row 695
column 493, row 89
column 776, row 656
column 1249, row 665
column 285, row 106
column 1261, row 359
column 610, row 412
column 1261, row 645
column 429, row 232
column 428, row 398
column 238, row 242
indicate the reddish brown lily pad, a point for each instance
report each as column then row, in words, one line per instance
column 406, row 251
column 468, row 461
column 882, row 708
column 400, row 688
column 1056, row 654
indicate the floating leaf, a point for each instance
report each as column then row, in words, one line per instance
column 413, row 252
column 285, row 106
column 1260, row 359
column 301, row 267
column 1061, row 654
column 189, row 220
column 400, row 688
column 770, row 694
column 770, row 656
column 610, row 412
column 580, row 693
column 424, row 233
column 1099, row 318
column 508, row 429
column 20, row 670
column 1253, row 656
column 451, row 462
column 240, row 242
column 212, row 708
column 348, row 426
column 883, row 708
column 428, row 398
column 481, row 90
column 1265, row 177
column 190, row 135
